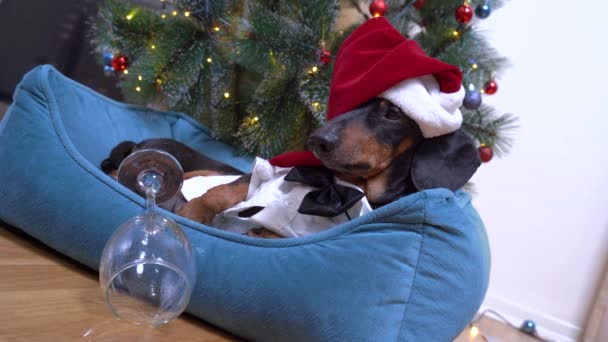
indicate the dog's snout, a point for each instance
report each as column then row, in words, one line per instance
column 323, row 143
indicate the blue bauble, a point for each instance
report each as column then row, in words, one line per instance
column 107, row 59
column 528, row 327
column 472, row 100
column 483, row 11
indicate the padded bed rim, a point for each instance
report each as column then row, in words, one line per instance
column 414, row 201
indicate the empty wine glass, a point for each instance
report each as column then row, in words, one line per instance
column 147, row 268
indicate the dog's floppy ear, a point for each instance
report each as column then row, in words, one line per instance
column 447, row 161
column 118, row 153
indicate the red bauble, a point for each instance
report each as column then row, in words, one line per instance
column 464, row 14
column 378, row 8
column 419, row 4
column 120, row 63
column 325, row 57
column 490, row 88
column 485, row 153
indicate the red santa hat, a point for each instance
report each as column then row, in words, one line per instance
column 377, row 61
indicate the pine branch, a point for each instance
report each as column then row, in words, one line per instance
column 357, row 5
column 287, row 39
column 314, row 91
column 276, row 116
column 491, row 129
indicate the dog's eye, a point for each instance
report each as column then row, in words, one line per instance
column 393, row 113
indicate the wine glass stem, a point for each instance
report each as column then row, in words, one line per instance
column 150, row 200
column 150, row 182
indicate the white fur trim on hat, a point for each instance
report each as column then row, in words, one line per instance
column 436, row 113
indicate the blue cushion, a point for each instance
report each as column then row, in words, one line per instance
column 414, row 270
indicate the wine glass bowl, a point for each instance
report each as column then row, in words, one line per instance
column 147, row 269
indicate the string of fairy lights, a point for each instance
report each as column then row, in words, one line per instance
column 527, row 327
column 377, row 8
column 119, row 63
column 463, row 14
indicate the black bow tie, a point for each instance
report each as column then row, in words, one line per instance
column 331, row 199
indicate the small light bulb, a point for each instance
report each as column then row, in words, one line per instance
column 158, row 81
column 474, row 332
column 315, row 69
column 164, row 16
column 126, row 72
column 209, row 60
column 256, row 119
column 130, row 16
column 482, row 91
column 376, row 15
column 456, row 33
column 187, row 14
column 226, row 94
column 474, row 66
column 174, row 13
column 140, row 78
column 316, row 104
column 138, row 89
column 153, row 46
column 216, row 29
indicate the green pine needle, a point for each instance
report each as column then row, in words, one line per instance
column 490, row 128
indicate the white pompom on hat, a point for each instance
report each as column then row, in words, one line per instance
column 436, row 113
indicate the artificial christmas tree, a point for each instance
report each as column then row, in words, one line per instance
column 257, row 72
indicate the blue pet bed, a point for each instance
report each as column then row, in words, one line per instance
column 414, row 270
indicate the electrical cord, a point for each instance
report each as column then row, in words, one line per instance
column 503, row 319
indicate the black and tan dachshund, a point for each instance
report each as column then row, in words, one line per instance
column 376, row 147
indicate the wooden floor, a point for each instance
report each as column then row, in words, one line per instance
column 46, row 297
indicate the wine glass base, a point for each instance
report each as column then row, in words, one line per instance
column 162, row 163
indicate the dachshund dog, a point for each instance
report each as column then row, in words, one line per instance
column 375, row 147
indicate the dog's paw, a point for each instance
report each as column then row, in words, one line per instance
column 196, row 211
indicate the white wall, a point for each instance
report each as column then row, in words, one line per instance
column 545, row 205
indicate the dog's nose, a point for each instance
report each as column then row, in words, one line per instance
column 322, row 143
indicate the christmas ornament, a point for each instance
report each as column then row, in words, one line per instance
column 472, row 100
column 378, row 8
column 528, row 327
column 485, row 153
column 464, row 14
column 107, row 59
column 490, row 88
column 483, row 11
column 419, row 4
column 120, row 63
column 325, row 57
